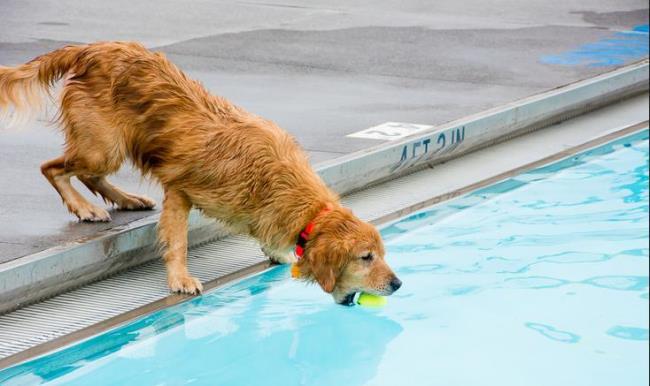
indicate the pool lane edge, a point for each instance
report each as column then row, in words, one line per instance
column 124, row 318
column 45, row 274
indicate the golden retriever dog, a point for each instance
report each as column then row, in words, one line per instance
column 121, row 101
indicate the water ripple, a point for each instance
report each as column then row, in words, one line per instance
column 629, row 333
column 534, row 282
column 553, row 333
column 619, row 282
column 419, row 268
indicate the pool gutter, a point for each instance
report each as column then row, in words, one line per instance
column 38, row 276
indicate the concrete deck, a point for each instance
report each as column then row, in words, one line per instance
column 321, row 71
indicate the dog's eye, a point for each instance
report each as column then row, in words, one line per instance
column 367, row 257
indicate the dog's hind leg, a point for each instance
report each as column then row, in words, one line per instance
column 94, row 149
column 115, row 195
column 59, row 176
column 172, row 234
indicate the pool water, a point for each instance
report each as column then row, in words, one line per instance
column 539, row 280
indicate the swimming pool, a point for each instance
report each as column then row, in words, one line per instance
column 539, row 280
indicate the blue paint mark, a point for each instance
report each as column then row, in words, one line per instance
column 641, row 28
column 616, row 50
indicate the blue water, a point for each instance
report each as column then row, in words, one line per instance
column 539, row 280
column 615, row 50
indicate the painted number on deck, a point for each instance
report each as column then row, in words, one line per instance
column 441, row 142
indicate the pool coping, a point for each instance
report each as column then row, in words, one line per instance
column 47, row 273
column 127, row 317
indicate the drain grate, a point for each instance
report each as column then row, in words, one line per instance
column 96, row 302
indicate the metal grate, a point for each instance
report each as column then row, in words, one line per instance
column 91, row 304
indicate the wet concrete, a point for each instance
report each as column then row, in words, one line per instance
column 321, row 70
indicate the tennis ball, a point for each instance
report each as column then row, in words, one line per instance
column 370, row 300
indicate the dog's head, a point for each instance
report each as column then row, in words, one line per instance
column 346, row 255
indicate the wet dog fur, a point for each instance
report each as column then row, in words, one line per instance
column 120, row 101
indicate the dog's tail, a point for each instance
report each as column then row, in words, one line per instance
column 23, row 88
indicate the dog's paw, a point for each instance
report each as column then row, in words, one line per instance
column 91, row 213
column 288, row 259
column 285, row 257
column 133, row 202
column 184, row 284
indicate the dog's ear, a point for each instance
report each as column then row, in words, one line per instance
column 328, row 253
column 324, row 264
column 325, row 277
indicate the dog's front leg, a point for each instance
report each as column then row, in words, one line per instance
column 172, row 232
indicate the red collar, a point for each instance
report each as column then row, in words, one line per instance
column 305, row 234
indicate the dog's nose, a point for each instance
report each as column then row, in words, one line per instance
column 395, row 284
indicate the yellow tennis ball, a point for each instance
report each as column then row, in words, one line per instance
column 370, row 300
